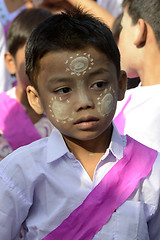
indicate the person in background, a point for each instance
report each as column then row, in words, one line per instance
column 19, row 124
column 9, row 9
column 114, row 6
column 4, row 75
column 138, row 115
column 55, row 6
column 92, row 7
column 116, row 29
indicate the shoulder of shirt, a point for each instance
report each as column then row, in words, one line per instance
column 40, row 152
column 25, row 153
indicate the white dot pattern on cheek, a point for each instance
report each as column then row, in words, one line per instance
column 79, row 65
column 59, row 110
column 106, row 102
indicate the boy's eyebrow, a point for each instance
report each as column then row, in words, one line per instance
column 90, row 74
column 61, row 79
column 99, row 71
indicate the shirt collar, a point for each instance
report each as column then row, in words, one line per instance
column 56, row 146
column 117, row 144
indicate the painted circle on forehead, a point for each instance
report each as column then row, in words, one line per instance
column 80, row 64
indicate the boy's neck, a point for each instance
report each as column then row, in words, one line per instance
column 150, row 73
column 89, row 153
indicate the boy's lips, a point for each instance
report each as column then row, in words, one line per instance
column 86, row 122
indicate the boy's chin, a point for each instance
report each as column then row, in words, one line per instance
column 82, row 137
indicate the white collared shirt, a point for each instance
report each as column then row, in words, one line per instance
column 42, row 183
column 112, row 6
column 142, row 114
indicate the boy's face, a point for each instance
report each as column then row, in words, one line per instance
column 78, row 91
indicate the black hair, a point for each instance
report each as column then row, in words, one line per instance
column 116, row 28
column 22, row 26
column 149, row 10
column 72, row 30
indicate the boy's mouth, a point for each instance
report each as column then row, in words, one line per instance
column 86, row 122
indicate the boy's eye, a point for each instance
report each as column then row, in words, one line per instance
column 63, row 90
column 99, row 84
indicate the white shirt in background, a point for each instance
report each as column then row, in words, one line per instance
column 142, row 115
column 112, row 6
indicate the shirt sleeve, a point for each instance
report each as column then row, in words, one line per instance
column 13, row 209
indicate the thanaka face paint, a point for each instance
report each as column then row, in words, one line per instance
column 106, row 102
column 59, row 110
column 79, row 65
column 80, row 102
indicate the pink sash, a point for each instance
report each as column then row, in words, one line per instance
column 120, row 120
column 15, row 124
column 6, row 28
column 113, row 190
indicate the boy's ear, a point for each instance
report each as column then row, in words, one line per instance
column 10, row 62
column 141, row 34
column 34, row 100
column 122, row 85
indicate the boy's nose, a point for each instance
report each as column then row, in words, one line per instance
column 83, row 100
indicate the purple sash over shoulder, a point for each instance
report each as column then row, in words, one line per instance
column 120, row 120
column 113, row 190
column 15, row 124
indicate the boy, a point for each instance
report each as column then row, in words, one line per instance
column 85, row 180
column 139, row 113
column 19, row 124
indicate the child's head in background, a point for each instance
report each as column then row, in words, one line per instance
column 18, row 33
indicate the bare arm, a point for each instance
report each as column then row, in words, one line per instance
column 92, row 7
column 13, row 5
column 89, row 5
